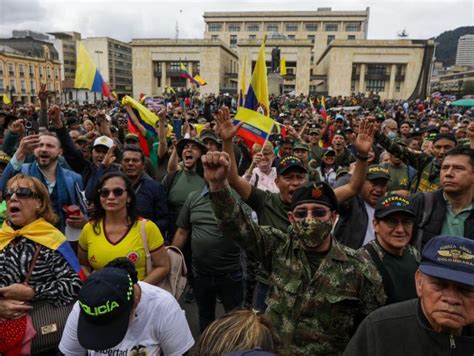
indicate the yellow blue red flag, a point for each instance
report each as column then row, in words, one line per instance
column 257, row 93
column 87, row 75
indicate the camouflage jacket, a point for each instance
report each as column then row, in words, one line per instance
column 427, row 166
column 312, row 314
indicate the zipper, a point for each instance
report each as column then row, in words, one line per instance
column 452, row 343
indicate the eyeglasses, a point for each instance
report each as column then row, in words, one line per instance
column 117, row 192
column 315, row 213
column 21, row 193
column 393, row 223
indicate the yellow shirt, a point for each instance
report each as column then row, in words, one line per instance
column 101, row 251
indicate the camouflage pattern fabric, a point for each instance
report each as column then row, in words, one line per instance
column 312, row 314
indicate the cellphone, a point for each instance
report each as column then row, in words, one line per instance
column 71, row 210
column 177, row 126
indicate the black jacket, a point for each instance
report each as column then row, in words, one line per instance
column 434, row 223
column 352, row 224
column 402, row 329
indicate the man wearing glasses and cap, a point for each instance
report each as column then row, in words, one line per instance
column 319, row 289
column 440, row 321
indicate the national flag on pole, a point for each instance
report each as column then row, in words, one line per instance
column 283, row 66
column 199, row 80
column 145, row 117
column 243, row 88
column 87, row 75
column 185, row 74
column 6, row 99
column 257, row 124
column 322, row 108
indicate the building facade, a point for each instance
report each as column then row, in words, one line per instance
column 453, row 79
column 113, row 58
column 465, row 51
column 25, row 64
column 395, row 69
column 156, row 65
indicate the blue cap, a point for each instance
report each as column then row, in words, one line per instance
column 449, row 257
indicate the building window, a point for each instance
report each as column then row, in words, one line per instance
column 175, row 67
column 292, row 27
column 375, row 85
column 48, row 71
column 56, row 73
column 1, row 84
column 311, row 26
column 254, row 27
column 32, row 70
column 273, row 27
column 312, row 38
column 215, row 27
column 214, row 37
column 291, row 37
column 50, row 86
column 33, row 86
column 331, row 27
column 41, row 71
column 1, row 68
column 21, row 69
column 233, row 41
column 330, row 39
column 11, row 69
column 234, row 27
column 352, row 27
column 377, row 69
column 353, row 85
column 398, row 85
column 400, row 69
column 252, row 37
column 351, row 37
column 23, row 86
column 13, row 85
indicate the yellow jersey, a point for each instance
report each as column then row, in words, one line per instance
column 100, row 250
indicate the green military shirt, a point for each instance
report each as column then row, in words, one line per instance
column 399, row 179
column 453, row 223
column 313, row 314
column 427, row 165
column 345, row 158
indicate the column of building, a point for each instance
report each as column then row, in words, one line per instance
column 362, row 78
column 391, row 83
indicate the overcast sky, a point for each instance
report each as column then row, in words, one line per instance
column 125, row 20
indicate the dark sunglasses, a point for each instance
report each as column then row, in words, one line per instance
column 315, row 213
column 21, row 193
column 117, row 192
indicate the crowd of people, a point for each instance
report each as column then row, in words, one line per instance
column 349, row 230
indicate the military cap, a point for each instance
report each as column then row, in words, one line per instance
column 376, row 171
column 301, row 146
column 320, row 193
column 131, row 137
column 393, row 203
column 290, row 162
column 445, row 136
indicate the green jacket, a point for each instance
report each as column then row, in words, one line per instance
column 312, row 314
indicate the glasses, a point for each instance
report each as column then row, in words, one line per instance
column 393, row 223
column 117, row 192
column 315, row 213
column 21, row 193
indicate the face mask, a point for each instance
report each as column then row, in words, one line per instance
column 392, row 135
column 312, row 232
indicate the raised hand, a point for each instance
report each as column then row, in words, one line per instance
column 216, row 169
column 17, row 126
column 225, row 128
column 55, row 116
column 109, row 157
column 43, row 93
column 365, row 137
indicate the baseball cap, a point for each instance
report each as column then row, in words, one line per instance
column 375, row 172
column 329, row 150
column 393, row 203
column 289, row 162
column 105, row 301
column 82, row 138
column 103, row 141
column 314, row 131
column 320, row 193
column 132, row 137
column 209, row 134
column 445, row 136
column 449, row 257
column 301, row 146
column 340, row 133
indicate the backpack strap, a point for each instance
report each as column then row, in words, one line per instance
column 387, row 281
column 32, row 264
column 428, row 201
column 169, row 180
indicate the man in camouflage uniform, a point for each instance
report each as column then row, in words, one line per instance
column 428, row 167
column 320, row 290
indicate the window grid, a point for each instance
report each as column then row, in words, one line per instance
column 292, row 27
column 331, row 27
column 311, row 27
column 375, row 85
column 253, row 27
column 215, row 27
column 352, row 27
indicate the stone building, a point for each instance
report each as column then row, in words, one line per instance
column 156, row 65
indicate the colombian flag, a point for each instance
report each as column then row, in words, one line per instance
column 87, row 74
column 257, row 124
column 322, row 109
column 185, row 74
column 146, row 118
column 199, row 80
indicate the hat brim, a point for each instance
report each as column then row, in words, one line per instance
column 294, row 167
column 93, row 336
column 316, row 201
column 386, row 212
column 101, row 145
column 184, row 141
column 373, row 176
column 446, row 273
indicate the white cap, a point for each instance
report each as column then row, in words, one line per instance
column 103, row 141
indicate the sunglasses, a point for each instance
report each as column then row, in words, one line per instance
column 117, row 192
column 393, row 222
column 315, row 213
column 21, row 193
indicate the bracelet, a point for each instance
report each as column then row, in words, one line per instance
column 361, row 158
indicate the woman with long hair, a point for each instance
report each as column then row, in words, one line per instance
column 116, row 231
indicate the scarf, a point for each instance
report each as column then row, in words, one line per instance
column 45, row 234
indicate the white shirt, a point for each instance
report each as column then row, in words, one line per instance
column 369, row 233
column 160, row 324
column 265, row 181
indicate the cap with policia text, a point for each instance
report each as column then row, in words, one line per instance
column 105, row 301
